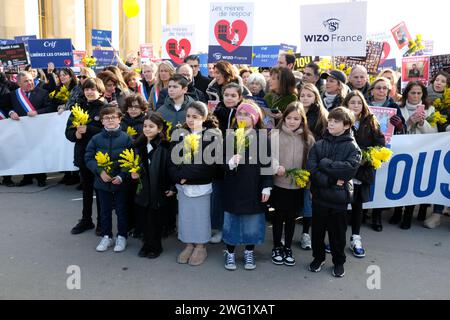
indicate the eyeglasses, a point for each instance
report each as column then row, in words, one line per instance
column 381, row 88
column 82, row 77
column 194, row 66
column 110, row 118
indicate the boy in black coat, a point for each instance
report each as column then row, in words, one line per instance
column 333, row 163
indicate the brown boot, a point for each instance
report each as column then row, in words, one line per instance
column 198, row 256
column 184, row 256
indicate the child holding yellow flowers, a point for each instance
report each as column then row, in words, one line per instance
column 82, row 125
column 193, row 174
column 152, row 199
column 103, row 155
column 294, row 140
column 367, row 134
column 132, row 123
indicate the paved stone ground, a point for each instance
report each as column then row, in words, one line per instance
column 36, row 248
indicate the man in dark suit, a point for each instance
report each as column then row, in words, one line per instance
column 34, row 101
column 200, row 82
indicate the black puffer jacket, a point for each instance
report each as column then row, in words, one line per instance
column 226, row 116
column 332, row 159
column 154, row 175
column 92, row 128
column 194, row 173
column 214, row 90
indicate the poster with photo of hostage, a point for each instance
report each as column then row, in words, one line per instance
column 439, row 63
column 415, row 69
column 401, row 35
column 231, row 32
column 374, row 51
column 12, row 56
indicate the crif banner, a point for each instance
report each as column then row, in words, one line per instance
column 35, row 145
column 57, row 51
column 418, row 172
column 231, row 32
column 337, row 29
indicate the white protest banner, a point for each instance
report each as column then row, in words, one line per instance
column 35, row 145
column 337, row 29
column 231, row 32
column 178, row 42
column 418, row 172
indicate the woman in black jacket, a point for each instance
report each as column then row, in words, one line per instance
column 367, row 134
column 93, row 90
column 151, row 198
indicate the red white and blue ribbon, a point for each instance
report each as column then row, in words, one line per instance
column 2, row 116
column 156, row 95
column 23, row 100
column 143, row 91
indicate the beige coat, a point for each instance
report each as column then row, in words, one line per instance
column 290, row 149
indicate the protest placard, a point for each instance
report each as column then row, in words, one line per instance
column 231, row 32
column 78, row 57
column 265, row 56
column 101, row 38
column 57, row 51
column 383, row 116
column 439, row 63
column 178, row 42
column 104, row 57
column 370, row 61
column 337, row 29
column 146, row 52
column 13, row 56
column 416, row 69
column 401, row 35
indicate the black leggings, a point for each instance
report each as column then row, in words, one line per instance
column 356, row 212
column 249, row 247
column 288, row 218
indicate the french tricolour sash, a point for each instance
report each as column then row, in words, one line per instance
column 143, row 91
column 156, row 95
column 2, row 116
column 23, row 100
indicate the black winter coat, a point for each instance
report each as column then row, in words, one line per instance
column 92, row 128
column 243, row 185
column 114, row 143
column 201, row 82
column 226, row 117
column 135, row 123
column 312, row 116
column 366, row 137
column 332, row 159
column 195, row 174
column 154, row 175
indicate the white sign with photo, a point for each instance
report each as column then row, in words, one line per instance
column 334, row 29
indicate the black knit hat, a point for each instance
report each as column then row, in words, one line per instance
column 336, row 74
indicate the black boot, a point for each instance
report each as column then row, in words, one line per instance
column 422, row 215
column 376, row 220
column 397, row 216
column 365, row 216
column 407, row 217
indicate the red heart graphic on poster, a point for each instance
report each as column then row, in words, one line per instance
column 68, row 62
column 178, row 50
column 386, row 51
column 230, row 37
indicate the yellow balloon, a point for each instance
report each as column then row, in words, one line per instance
column 131, row 8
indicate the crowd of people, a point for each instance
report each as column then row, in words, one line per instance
column 321, row 119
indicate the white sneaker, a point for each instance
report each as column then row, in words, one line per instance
column 230, row 261
column 356, row 246
column 104, row 244
column 305, row 242
column 433, row 221
column 216, row 238
column 121, row 244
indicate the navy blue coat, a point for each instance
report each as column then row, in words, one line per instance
column 114, row 143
